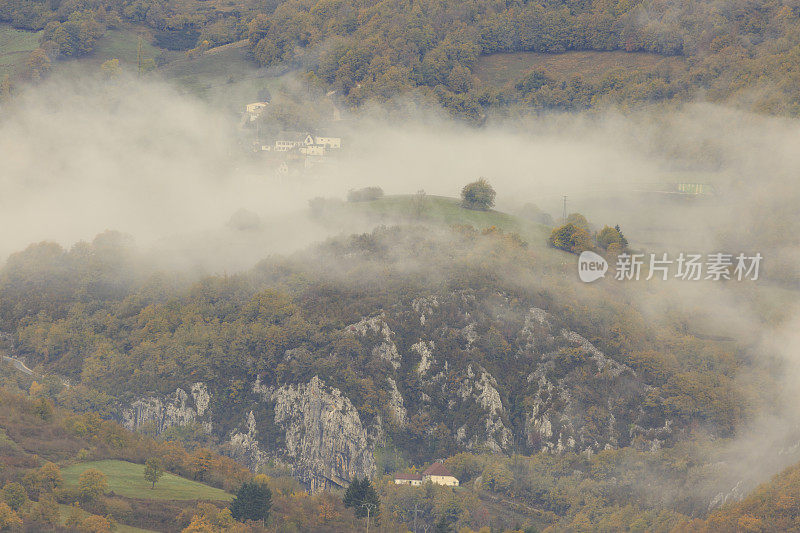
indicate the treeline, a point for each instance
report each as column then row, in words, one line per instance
column 381, row 49
column 742, row 52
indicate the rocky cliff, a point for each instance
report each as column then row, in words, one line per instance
column 497, row 377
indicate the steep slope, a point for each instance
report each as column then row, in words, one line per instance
column 425, row 340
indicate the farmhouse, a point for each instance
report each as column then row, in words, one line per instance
column 408, row 479
column 437, row 474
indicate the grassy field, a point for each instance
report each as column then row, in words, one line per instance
column 127, row 479
column 123, row 44
column 448, row 211
column 15, row 45
column 501, row 69
column 226, row 74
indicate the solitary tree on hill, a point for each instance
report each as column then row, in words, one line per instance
column 478, row 195
column 153, row 470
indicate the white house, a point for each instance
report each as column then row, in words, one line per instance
column 313, row 149
column 414, row 480
column 438, row 474
column 254, row 110
column 329, row 142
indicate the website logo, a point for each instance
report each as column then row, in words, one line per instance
column 591, row 266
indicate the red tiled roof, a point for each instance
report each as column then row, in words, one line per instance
column 413, row 477
column 437, row 469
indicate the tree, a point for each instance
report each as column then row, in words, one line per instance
column 570, row 238
column 253, row 502
column 111, row 68
column 419, row 200
column 200, row 462
column 478, row 195
column 6, row 88
column 37, row 64
column 92, row 483
column 153, row 470
column 362, row 497
column 497, row 477
column 49, row 477
column 443, row 526
column 15, row 495
column 608, row 236
column 96, row 524
column 579, row 221
column 8, row 518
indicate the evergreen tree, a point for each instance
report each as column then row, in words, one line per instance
column 362, row 497
column 253, row 502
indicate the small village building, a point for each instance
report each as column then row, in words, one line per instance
column 329, row 142
column 254, row 110
column 313, row 149
column 438, row 474
column 414, row 480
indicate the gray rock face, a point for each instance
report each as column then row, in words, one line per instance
column 460, row 362
column 481, row 387
column 386, row 350
column 397, row 408
column 326, row 443
column 177, row 409
column 558, row 420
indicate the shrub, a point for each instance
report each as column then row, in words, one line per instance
column 609, row 236
column 571, row 238
column 478, row 195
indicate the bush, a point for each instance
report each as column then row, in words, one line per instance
column 609, row 236
column 570, row 238
column 367, row 194
column 478, row 195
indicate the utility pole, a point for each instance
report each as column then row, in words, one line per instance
column 565, row 209
column 139, row 56
column 369, row 507
column 415, row 518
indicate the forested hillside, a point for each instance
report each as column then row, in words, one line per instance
column 420, row 343
column 740, row 52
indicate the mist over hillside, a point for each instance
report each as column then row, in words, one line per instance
column 186, row 290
